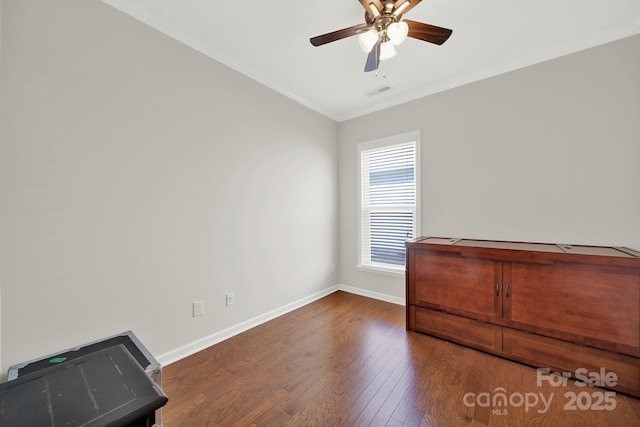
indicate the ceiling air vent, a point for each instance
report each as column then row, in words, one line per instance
column 378, row 90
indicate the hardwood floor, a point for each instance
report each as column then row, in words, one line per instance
column 347, row 360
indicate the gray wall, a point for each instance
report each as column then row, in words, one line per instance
column 139, row 176
column 548, row 153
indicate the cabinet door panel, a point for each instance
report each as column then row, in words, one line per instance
column 597, row 306
column 560, row 356
column 458, row 285
column 482, row 336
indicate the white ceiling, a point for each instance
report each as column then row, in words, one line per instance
column 269, row 42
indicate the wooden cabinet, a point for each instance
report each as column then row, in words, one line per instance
column 561, row 307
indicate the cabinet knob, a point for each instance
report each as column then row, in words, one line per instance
column 497, row 289
column 507, row 290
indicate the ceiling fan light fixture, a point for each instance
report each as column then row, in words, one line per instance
column 397, row 32
column 401, row 8
column 368, row 40
column 387, row 51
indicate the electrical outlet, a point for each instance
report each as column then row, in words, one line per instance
column 198, row 308
column 230, row 298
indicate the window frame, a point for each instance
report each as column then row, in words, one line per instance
column 404, row 138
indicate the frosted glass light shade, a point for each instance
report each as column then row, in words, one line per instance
column 368, row 40
column 387, row 50
column 397, row 32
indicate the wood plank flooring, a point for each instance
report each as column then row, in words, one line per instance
column 347, row 360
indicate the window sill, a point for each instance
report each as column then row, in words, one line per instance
column 388, row 271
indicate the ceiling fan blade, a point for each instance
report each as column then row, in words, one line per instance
column 428, row 33
column 373, row 60
column 404, row 6
column 337, row 35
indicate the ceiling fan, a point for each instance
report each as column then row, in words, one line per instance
column 384, row 28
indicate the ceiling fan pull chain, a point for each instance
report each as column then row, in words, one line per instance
column 381, row 69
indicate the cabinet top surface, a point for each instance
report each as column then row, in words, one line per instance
column 545, row 249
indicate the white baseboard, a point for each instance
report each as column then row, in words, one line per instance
column 372, row 294
column 198, row 345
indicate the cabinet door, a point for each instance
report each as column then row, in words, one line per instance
column 592, row 305
column 459, row 285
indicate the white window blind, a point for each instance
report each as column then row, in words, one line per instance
column 388, row 210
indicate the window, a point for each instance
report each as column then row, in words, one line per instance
column 389, row 177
